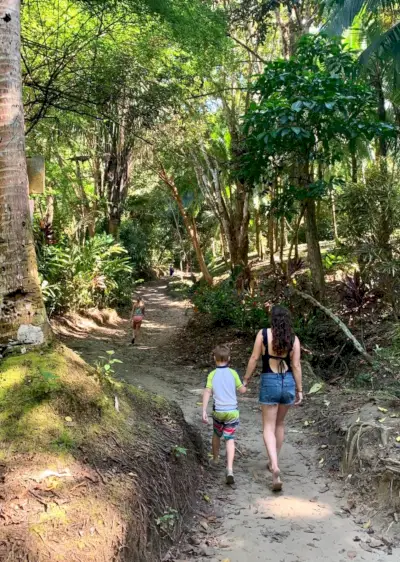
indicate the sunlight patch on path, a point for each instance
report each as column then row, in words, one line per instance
column 291, row 507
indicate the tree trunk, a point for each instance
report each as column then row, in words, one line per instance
column 354, row 167
column 224, row 248
column 22, row 313
column 271, row 242
column 258, row 239
column 282, row 239
column 314, row 250
column 190, row 225
column 334, row 221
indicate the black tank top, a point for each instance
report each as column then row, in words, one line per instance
column 282, row 360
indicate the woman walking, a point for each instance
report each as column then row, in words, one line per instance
column 280, row 385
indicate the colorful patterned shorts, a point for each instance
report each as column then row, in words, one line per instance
column 226, row 423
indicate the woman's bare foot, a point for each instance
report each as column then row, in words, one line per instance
column 276, row 481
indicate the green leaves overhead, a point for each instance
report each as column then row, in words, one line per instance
column 310, row 107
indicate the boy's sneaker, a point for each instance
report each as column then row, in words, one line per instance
column 229, row 477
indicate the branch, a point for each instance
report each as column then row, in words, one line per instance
column 337, row 321
column 248, row 49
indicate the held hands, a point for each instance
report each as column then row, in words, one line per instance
column 205, row 416
column 299, row 398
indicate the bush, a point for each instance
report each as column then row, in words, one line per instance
column 229, row 308
column 78, row 276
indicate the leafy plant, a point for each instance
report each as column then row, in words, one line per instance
column 356, row 294
column 78, row 276
column 179, row 452
column 105, row 366
column 167, row 521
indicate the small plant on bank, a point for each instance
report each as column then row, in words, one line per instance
column 105, row 366
column 179, row 452
column 167, row 521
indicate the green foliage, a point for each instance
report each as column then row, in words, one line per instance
column 335, row 260
column 228, row 308
column 105, row 365
column 310, row 108
column 78, row 276
column 179, row 452
column 167, row 521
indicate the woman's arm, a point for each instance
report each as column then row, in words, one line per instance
column 252, row 364
column 296, row 368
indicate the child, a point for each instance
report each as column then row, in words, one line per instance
column 137, row 317
column 223, row 383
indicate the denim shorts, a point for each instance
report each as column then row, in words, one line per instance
column 277, row 389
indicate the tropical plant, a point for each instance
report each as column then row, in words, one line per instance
column 76, row 277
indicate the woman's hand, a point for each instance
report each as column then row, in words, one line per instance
column 205, row 416
column 299, row 398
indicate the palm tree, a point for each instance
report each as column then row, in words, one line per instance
column 22, row 312
column 386, row 41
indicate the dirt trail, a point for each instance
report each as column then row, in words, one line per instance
column 308, row 521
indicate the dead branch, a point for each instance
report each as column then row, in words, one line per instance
column 357, row 345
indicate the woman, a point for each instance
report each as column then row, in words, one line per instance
column 137, row 317
column 280, row 385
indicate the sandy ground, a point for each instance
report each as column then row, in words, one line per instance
column 308, row 521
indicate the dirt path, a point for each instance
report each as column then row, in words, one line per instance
column 308, row 521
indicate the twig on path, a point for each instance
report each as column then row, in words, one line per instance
column 100, row 475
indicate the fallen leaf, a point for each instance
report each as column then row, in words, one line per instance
column 68, row 419
column 327, row 403
column 226, row 560
column 204, row 524
column 321, row 462
column 381, row 420
column 306, row 423
column 357, row 420
column 367, row 525
column 206, row 498
column 384, row 410
column 398, row 439
column 199, row 403
column 316, row 388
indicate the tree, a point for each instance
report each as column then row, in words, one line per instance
column 21, row 303
column 310, row 108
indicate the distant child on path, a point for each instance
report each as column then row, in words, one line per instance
column 223, row 383
column 137, row 317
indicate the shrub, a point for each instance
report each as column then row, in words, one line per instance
column 229, row 308
column 78, row 276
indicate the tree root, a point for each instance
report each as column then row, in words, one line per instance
column 354, row 434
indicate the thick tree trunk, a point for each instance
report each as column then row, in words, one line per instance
column 314, row 250
column 22, row 313
column 190, row 225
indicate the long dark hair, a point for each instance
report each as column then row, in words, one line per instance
column 282, row 331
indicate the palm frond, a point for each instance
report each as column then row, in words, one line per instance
column 343, row 13
column 386, row 45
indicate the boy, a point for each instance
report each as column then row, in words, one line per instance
column 223, row 383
